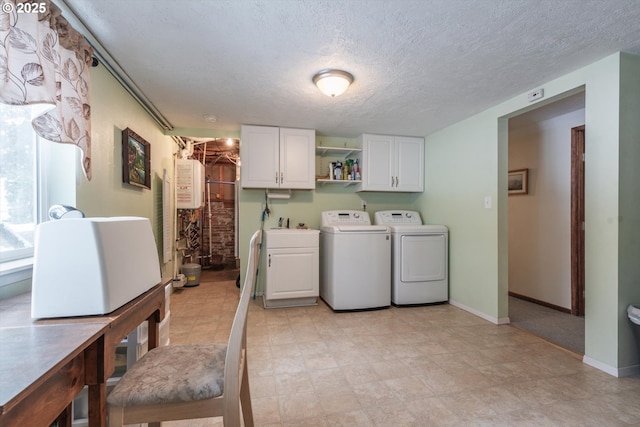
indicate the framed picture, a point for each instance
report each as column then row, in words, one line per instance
column 518, row 181
column 136, row 160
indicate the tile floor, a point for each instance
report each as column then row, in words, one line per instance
column 423, row 366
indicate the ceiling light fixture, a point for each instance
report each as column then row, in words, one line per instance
column 332, row 82
column 210, row 118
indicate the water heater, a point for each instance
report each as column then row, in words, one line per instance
column 189, row 184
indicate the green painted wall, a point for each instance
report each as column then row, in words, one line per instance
column 467, row 161
column 112, row 110
column 629, row 193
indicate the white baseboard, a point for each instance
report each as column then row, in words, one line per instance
column 627, row 371
column 494, row 320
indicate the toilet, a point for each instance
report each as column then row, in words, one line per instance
column 633, row 311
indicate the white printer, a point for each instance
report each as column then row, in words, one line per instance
column 92, row 266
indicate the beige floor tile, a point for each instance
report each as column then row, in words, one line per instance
column 300, row 406
column 307, row 422
column 287, row 384
column 409, row 388
column 432, row 412
column 374, row 394
column 391, row 414
column 266, row 410
column 262, row 386
column 329, row 380
column 315, row 362
column 467, row 405
column 339, row 402
column 413, row 366
column 357, row 418
column 500, row 399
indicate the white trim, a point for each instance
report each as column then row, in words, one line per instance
column 627, row 371
column 494, row 320
column 15, row 271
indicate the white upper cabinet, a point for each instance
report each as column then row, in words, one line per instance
column 275, row 157
column 392, row 163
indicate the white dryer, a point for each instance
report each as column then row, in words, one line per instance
column 355, row 261
column 419, row 258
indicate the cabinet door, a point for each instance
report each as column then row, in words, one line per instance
column 259, row 151
column 377, row 162
column 297, row 158
column 409, row 167
column 292, row 273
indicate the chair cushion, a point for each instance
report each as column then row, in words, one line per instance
column 169, row 374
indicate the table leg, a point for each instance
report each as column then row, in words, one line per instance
column 66, row 417
column 154, row 331
column 98, row 405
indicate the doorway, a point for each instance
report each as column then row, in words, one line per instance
column 212, row 229
column 546, row 239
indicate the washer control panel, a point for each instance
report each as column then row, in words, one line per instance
column 397, row 217
column 347, row 217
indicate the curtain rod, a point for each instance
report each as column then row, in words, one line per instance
column 112, row 65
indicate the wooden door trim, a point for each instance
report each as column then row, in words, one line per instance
column 577, row 220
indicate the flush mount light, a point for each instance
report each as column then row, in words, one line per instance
column 332, row 82
column 210, row 118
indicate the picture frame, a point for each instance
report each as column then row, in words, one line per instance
column 518, row 181
column 136, row 160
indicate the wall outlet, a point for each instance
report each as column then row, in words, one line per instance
column 535, row 95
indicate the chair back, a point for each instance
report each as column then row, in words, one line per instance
column 238, row 337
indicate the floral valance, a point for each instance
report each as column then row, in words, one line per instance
column 44, row 60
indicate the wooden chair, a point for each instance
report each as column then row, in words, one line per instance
column 194, row 380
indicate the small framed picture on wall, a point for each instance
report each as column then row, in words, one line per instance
column 136, row 160
column 518, row 181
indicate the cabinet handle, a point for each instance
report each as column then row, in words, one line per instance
column 392, row 178
column 397, row 181
column 269, row 260
column 276, row 177
column 281, row 178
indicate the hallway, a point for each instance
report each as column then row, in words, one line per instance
column 555, row 326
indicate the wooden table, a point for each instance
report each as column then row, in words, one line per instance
column 45, row 363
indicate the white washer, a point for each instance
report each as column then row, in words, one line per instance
column 419, row 258
column 355, row 261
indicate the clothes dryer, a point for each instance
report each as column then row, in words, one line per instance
column 355, row 261
column 419, row 265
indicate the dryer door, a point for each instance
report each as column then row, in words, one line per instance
column 424, row 257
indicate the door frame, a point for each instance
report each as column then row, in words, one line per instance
column 577, row 220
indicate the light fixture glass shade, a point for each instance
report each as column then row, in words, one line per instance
column 333, row 82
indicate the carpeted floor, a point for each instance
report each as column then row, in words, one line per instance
column 555, row 326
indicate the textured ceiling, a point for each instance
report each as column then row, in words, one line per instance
column 419, row 65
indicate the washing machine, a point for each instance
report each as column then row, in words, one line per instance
column 419, row 265
column 355, row 261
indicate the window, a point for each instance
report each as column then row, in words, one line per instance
column 34, row 174
column 18, row 181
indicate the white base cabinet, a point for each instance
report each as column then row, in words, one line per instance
column 292, row 268
column 275, row 157
column 392, row 163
